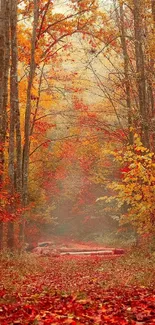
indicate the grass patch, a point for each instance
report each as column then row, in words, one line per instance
column 136, row 268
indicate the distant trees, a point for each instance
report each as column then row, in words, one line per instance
column 134, row 77
column 137, row 48
column 25, row 54
column 32, row 38
column 129, row 55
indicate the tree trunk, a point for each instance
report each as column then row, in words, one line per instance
column 27, row 129
column 4, row 69
column 2, row 73
column 10, row 235
column 1, row 235
column 6, row 64
column 153, row 11
column 15, row 95
column 140, row 67
column 15, row 131
column 26, row 148
column 2, row 58
column 152, row 64
column 126, row 73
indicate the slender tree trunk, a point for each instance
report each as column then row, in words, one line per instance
column 4, row 70
column 126, row 73
column 27, row 130
column 6, row 67
column 1, row 235
column 2, row 58
column 15, row 131
column 11, row 165
column 38, row 100
column 28, row 104
column 15, row 95
column 2, row 73
column 153, row 11
column 152, row 64
column 10, row 236
column 140, row 66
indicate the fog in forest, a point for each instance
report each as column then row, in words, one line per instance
column 77, row 121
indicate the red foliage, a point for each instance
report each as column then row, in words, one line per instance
column 10, row 208
column 124, row 170
column 80, row 106
column 68, row 150
column 69, row 290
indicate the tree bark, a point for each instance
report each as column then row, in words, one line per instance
column 2, row 58
column 4, row 70
column 153, row 11
column 1, row 235
column 10, row 236
column 151, row 84
column 26, row 148
column 126, row 73
column 11, row 165
column 2, row 73
column 140, row 67
column 15, row 94
column 15, row 163
column 27, row 129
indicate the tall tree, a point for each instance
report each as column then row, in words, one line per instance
column 153, row 10
column 26, row 149
column 126, row 72
column 140, row 67
column 4, row 69
column 15, row 162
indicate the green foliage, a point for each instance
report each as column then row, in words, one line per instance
column 124, row 239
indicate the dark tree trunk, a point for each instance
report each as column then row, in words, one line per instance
column 4, row 69
column 15, row 163
column 126, row 73
column 15, row 95
column 1, row 235
column 153, row 11
column 2, row 59
column 10, row 236
column 140, row 66
column 26, row 149
column 27, row 129
column 15, row 134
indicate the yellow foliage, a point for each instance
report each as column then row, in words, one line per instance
column 136, row 190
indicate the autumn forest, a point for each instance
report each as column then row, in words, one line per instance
column 77, row 162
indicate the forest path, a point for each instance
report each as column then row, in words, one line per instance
column 75, row 290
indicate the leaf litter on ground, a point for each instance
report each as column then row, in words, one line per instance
column 77, row 291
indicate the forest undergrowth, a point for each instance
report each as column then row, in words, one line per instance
column 78, row 290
